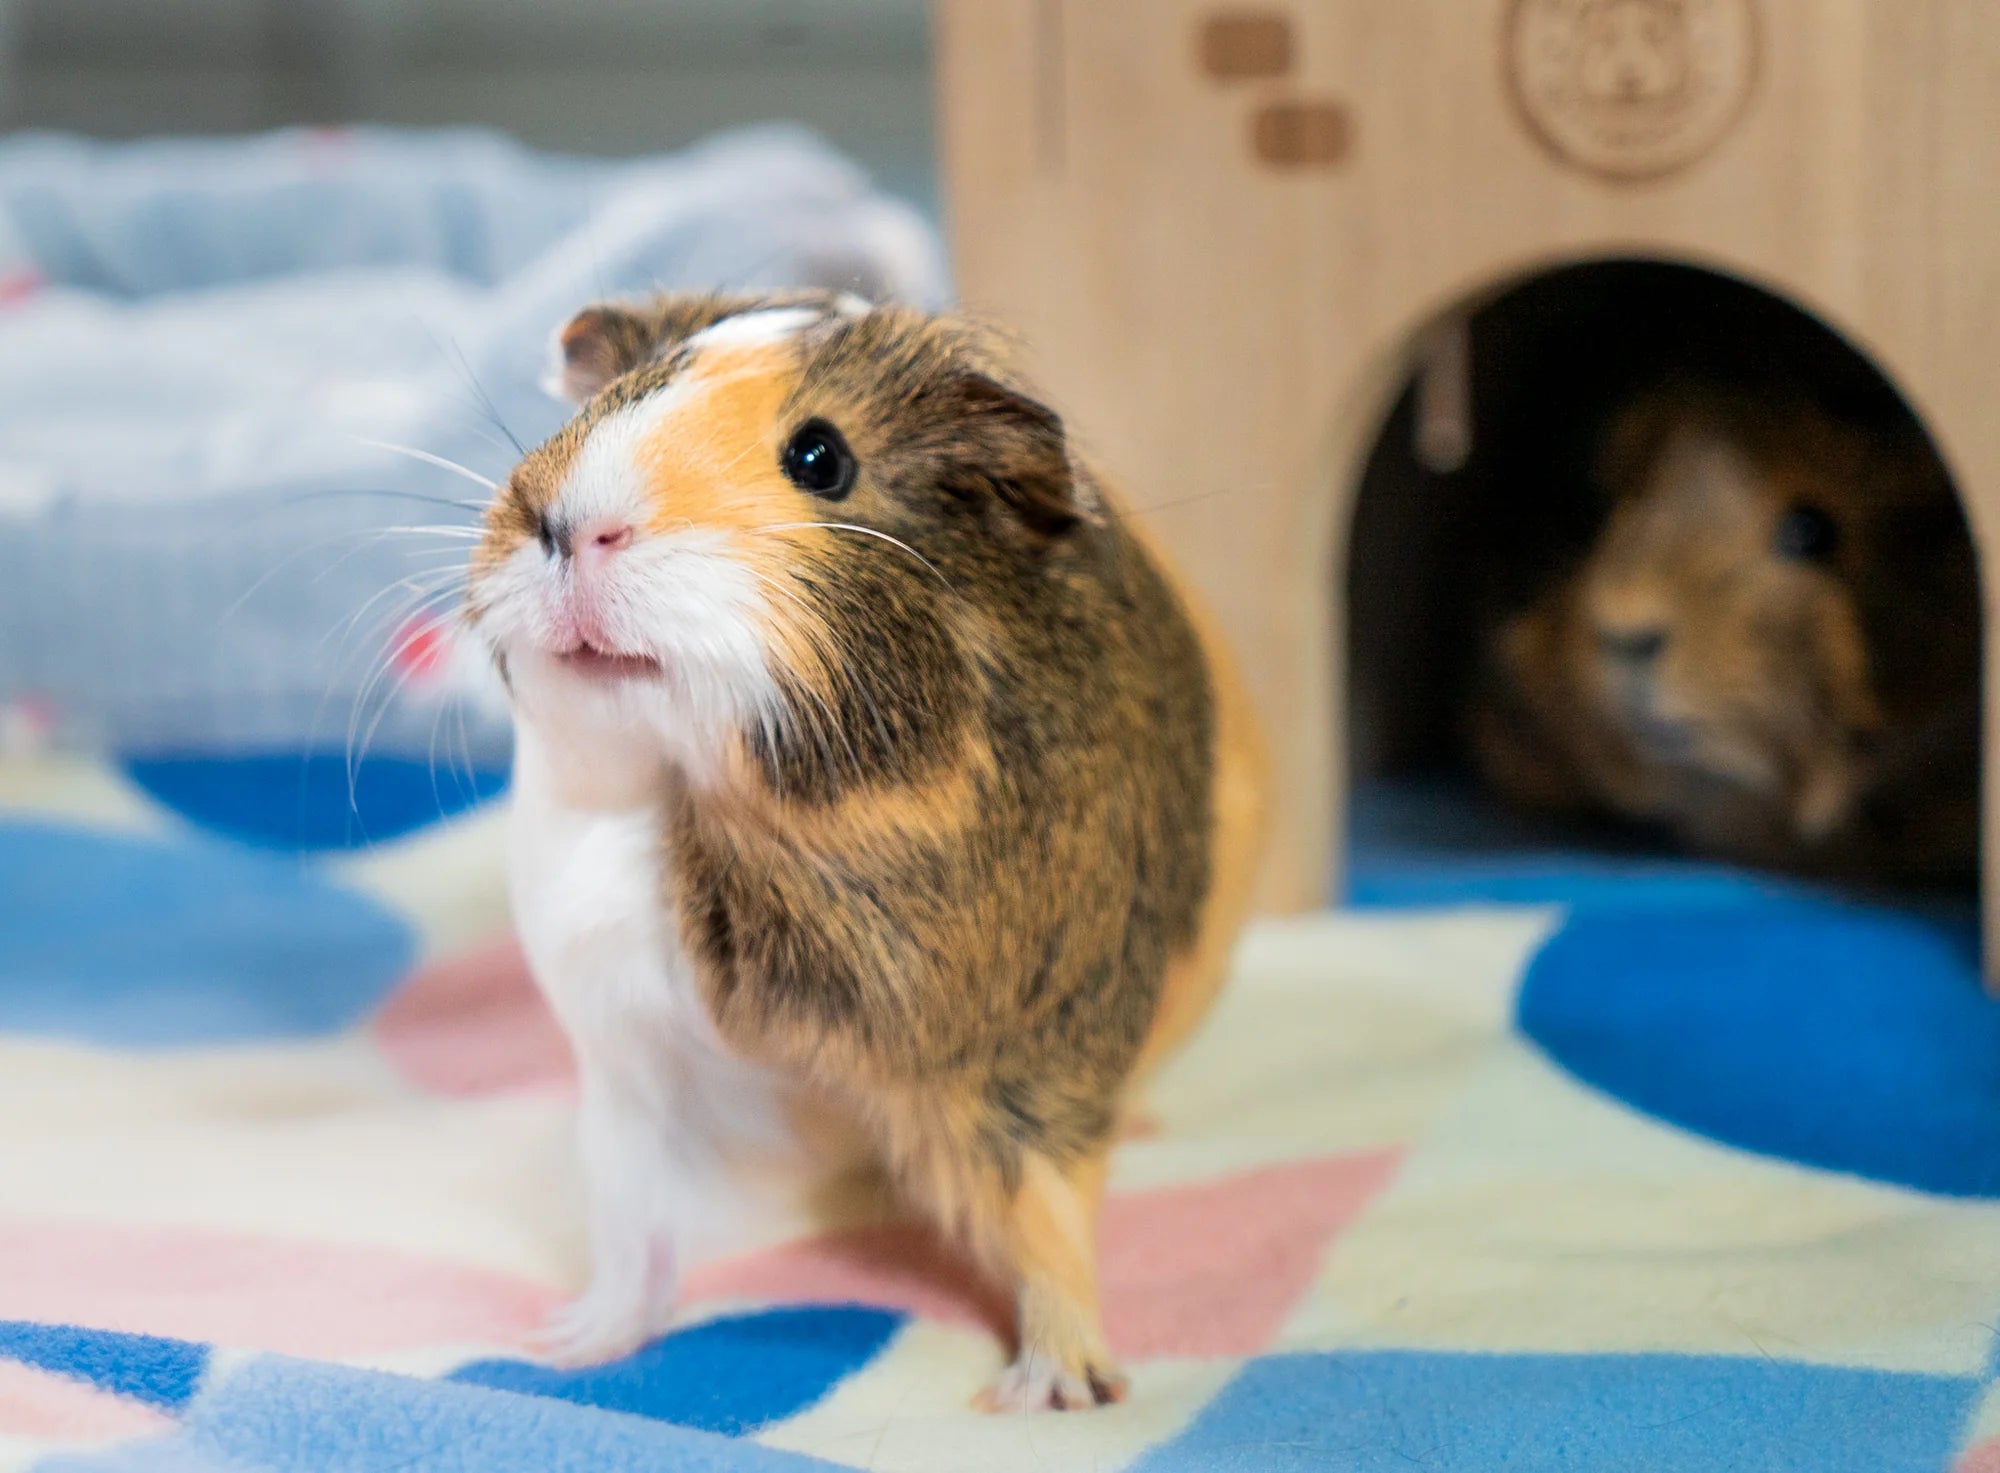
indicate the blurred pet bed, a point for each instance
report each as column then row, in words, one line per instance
column 1532, row 1161
column 209, row 348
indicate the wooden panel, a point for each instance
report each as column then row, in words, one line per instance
column 987, row 71
column 1953, row 382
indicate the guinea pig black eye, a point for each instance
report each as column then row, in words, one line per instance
column 1805, row 534
column 817, row 461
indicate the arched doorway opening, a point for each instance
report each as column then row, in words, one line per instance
column 1488, row 492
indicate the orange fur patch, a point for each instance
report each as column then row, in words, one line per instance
column 713, row 460
column 712, row 464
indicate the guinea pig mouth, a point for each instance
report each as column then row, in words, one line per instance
column 601, row 664
column 1661, row 737
column 1666, row 740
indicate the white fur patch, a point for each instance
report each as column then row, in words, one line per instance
column 754, row 329
column 699, row 614
column 605, row 479
column 667, row 1117
column 669, row 1120
column 676, row 595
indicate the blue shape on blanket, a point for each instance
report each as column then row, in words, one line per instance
column 279, row 1414
column 311, row 801
column 729, row 1375
column 1841, row 1036
column 147, row 1368
column 712, row 1381
column 1393, row 1411
column 137, row 942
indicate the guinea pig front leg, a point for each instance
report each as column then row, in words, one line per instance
column 623, row 1128
column 1046, row 1234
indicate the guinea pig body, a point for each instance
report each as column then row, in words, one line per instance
column 1771, row 649
column 871, row 771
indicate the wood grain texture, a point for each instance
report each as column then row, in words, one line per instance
column 1228, row 334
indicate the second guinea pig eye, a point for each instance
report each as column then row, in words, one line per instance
column 817, row 461
column 1805, row 534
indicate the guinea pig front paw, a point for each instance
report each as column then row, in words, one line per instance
column 1039, row 1381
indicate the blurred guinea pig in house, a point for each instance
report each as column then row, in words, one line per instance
column 1770, row 650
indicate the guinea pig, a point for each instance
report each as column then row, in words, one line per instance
column 1770, row 650
column 870, row 767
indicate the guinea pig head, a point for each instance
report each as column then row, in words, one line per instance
column 1714, row 623
column 772, row 522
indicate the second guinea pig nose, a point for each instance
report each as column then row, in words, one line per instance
column 1633, row 647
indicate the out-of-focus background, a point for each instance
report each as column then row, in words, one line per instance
column 614, row 77
column 277, row 284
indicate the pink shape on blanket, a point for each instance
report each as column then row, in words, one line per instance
column 1982, row 1458
column 253, row 1292
column 1210, row 1269
column 474, row 1024
column 37, row 1404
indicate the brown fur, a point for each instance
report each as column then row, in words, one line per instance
column 994, row 856
column 1825, row 708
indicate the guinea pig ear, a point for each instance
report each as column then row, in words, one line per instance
column 598, row 345
column 1023, row 453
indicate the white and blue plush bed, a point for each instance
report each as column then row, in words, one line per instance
column 210, row 346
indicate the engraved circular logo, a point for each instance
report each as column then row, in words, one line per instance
column 1631, row 89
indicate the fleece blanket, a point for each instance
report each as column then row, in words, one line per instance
column 1516, row 1164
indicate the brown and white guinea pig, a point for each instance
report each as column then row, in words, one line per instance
column 869, row 764
column 1771, row 649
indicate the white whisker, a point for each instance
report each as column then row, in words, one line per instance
column 426, row 588
column 865, row 532
column 464, row 534
column 423, row 608
column 437, row 460
column 364, row 538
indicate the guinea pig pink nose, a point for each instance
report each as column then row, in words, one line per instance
column 1634, row 647
column 602, row 538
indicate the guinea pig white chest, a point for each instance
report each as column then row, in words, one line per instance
column 588, row 896
column 660, row 1095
